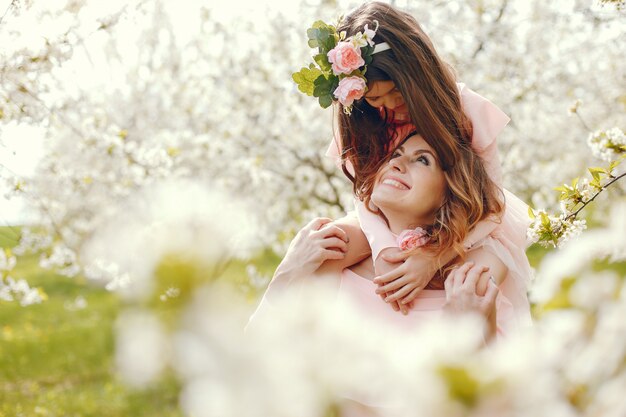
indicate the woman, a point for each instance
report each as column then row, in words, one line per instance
column 404, row 86
column 413, row 189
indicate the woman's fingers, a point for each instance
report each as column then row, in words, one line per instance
column 459, row 275
column 328, row 254
column 394, row 285
column 400, row 293
column 395, row 306
column 332, row 230
column 334, row 242
column 472, row 276
column 390, row 276
column 408, row 300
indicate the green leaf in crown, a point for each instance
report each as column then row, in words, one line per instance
column 324, row 86
column 306, row 77
column 367, row 54
column 322, row 36
column 322, row 61
column 326, row 101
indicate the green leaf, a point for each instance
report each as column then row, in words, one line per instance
column 318, row 24
column 595, row 183
column 306, row 78
column 614, row 164
column 366, row 53
column 531, row 213
column 322, row 61
column 545, row 221
column 322, row 36
column 325, row 86
column 596, row 172
column 326, row 101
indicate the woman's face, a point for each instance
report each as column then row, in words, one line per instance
column 385, row 94
column 412, row 185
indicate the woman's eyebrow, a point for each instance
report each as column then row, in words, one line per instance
column 421, row 151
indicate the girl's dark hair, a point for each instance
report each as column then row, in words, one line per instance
column 426, row 82
column 428, row 87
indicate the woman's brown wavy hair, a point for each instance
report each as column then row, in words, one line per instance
column 470, row 196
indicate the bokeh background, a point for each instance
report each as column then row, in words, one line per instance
column 157, row 159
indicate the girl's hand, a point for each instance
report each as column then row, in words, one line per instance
column 315, row 243
column 461, row 293
column 402, row 284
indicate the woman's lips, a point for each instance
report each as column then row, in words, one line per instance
column 396, row 183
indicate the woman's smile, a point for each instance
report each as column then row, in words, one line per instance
column 396, row 183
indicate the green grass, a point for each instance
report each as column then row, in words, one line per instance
column 59, row 362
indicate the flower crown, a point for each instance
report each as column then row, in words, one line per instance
column 341, row 64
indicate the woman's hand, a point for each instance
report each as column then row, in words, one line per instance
column 401, row 285
column 315, row 243
column 461, row 294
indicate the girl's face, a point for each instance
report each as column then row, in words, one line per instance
column 411, row 186
column 385, row 94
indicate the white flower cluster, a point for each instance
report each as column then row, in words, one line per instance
column 577, row 258
column 31, row 242
column 553, row 231
column 12, row 290
column 329, row 354
column 63, row 259
column 607, row 144
column 7, row 261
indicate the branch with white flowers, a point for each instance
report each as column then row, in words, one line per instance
column 553, row 230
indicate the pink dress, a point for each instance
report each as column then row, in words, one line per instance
column 507, row 239
column 360, row 292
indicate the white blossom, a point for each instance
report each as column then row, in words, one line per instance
column 607, row 144
column 12, row 290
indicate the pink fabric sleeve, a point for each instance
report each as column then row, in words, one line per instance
column 375, row 229
column 487, row 123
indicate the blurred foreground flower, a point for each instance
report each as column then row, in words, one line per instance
column 194, row 222
column 312, row 354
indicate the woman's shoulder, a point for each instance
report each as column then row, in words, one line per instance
column 365, row 268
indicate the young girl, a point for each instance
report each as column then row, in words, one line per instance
column 406, row 86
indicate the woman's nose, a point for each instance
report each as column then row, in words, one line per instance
column 397, row 164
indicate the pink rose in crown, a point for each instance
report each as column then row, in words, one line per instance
column 345, row 58
column 412, row 239
column 350, row 89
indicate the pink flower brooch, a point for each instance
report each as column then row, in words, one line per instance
column 412, row 239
